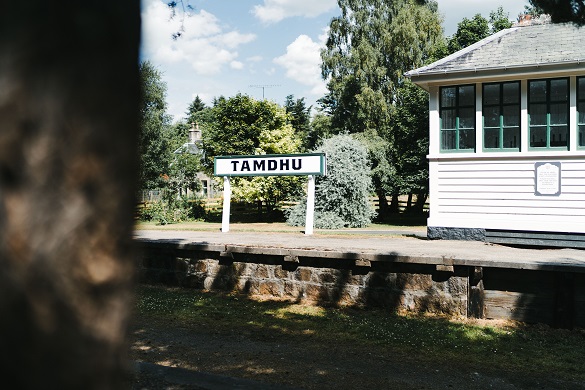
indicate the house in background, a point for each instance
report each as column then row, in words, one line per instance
column 507, row 138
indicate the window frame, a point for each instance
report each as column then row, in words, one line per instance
column 548, row 126
column 457, row 107
column 501, row 105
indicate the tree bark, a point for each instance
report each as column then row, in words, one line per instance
column 69, row 95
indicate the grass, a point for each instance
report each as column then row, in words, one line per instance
column 281, row 227
column 517, row 348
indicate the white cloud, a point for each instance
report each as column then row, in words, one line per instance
column 302, row 62
column 237, row 65
column 203, row 44
column 276, row 10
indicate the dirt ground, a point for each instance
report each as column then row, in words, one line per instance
column 305, row 363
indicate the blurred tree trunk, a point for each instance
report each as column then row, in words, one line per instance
column 69, row 97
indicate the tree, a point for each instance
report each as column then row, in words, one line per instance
column 154, row 123
column 473, row 30
column 561, row 10
column 499, row 20
column 342, row 198
column 369, row 48
column 244, row 126
column 300, row 118
column 68, row 169
column 468, row 32
column 195, row 107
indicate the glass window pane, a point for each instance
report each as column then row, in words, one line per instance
column 491, row 94
column 537, row 114
column 467, row 118
column 491, row 116
column 581, row 138
column 538, row 137
column 558, row 114
column 448, row 97
column 581, row 88
column 511, row 115
column 467, row 95
column 537, row 91
column 466, row 139
column 491, row 138
column 581, row 109
column 448, row 119
column 558, row 136
column 511, row 92
column 512, row 137
column 559, row 90
column 448, row 139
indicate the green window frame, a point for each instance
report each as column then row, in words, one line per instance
column 581, row 112
column 548, row 113
column 457, row 118
column 501, row 116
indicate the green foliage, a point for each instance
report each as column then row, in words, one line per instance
column 499, row 20
column 369, row 48
column 174, row 210
column 468, row 32
column 320, row 130
column 194, row 108
column 341, row 197
column 473, row 30
column 243, row 126
column 299, row 117
column 154, row 123
column 560, row 11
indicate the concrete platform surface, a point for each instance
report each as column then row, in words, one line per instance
column 382, row 246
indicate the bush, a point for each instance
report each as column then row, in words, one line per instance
column 341, row 197
column 173, row 211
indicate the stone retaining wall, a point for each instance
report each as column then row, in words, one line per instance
column 401, row 287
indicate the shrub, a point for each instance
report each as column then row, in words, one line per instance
column 341, row 197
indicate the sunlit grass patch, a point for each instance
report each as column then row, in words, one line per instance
column 514, row 347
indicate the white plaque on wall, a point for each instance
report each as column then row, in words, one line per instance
column 547, row 179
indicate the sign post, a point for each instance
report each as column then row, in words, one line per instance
column 227, row 198
column 309, row 164
column 310, row 217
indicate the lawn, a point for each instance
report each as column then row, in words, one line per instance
column 533, row 353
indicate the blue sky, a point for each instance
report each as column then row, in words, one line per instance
column 235, row 46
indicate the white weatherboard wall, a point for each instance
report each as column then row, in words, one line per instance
column 499, row 193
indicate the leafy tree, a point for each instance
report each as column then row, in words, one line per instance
column 468, row 32
column 244, row 126
column 154, row 124
column 473, row 30
column 319, row 130
column 194, row 108
column 369, row 48
column 342, row 197
column 499, row 20
column 300, row 117
column 561, row 10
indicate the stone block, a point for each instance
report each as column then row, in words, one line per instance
column 272, row 288
column 303, row 274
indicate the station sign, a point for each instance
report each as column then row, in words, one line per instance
column 271, row 165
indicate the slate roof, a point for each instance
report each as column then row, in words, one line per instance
column 516, row 47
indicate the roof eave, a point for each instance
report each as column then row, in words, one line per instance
column 429, row 77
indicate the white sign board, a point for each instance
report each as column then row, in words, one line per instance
column 271, row 165
column 547, row 179
column 309, row 164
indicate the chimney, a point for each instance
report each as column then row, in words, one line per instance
column 194, row 133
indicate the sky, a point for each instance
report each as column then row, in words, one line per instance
column 267, row 49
